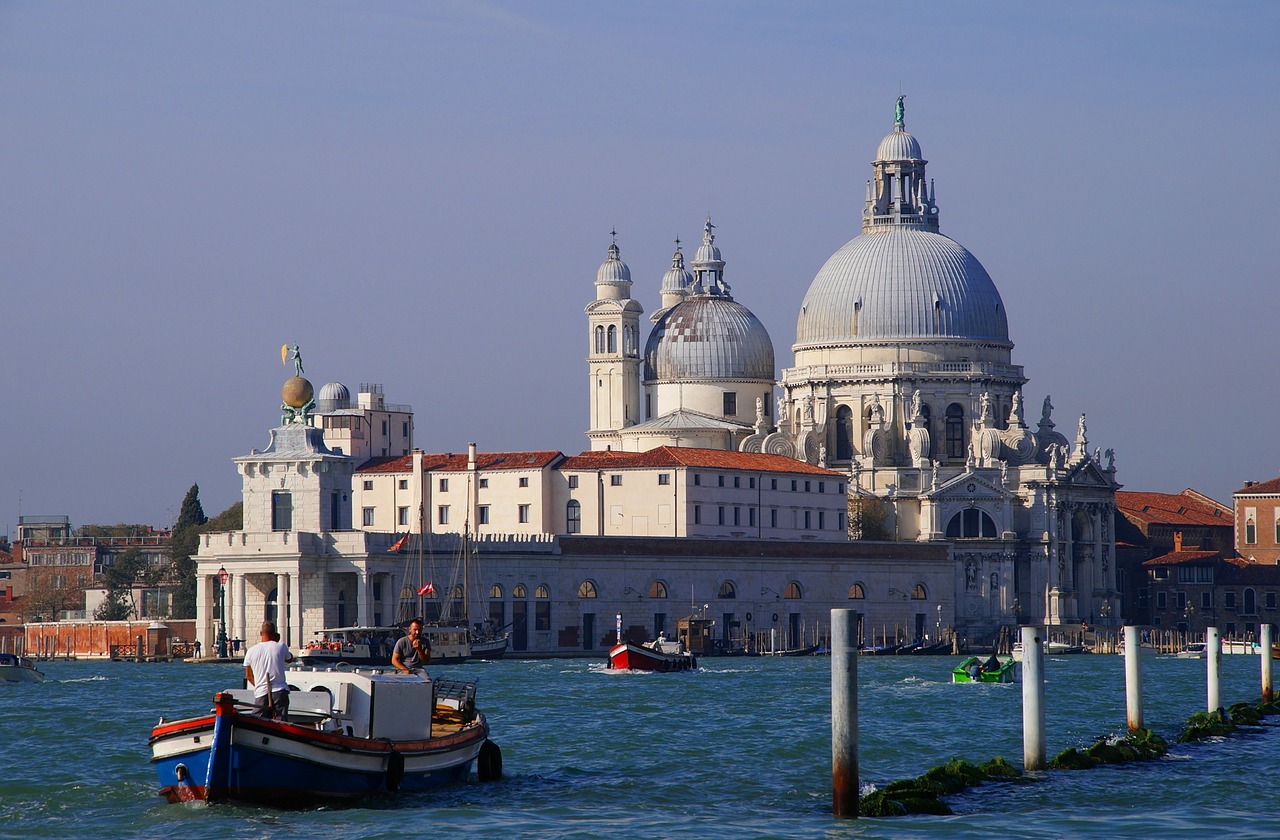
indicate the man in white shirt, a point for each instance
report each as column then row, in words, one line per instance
column 264, row 670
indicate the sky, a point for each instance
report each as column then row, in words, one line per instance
column 419, row 194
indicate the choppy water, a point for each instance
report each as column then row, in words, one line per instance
column 738, row 749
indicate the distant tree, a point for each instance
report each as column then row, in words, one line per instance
column 44, row 600
column 868, row 518
column 128, row 570
column 182, row 549
column 231, row 519
column 119, row 530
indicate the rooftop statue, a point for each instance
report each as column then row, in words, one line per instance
column 900, row 113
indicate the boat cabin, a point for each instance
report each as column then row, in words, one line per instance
column 695, row 633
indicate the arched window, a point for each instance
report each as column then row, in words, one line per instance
column 613, row 339
column 271, row 613
column 342, row 609
column 844, row 433
column 587, row 589
column 792, row 591
column 1081, row 527
column 728, row 590
column 1250, row 602
column 543, row 592
column 518, row 591
column 572, row 517
column 495, row 591
column 599, row 339
column 658, row 589
column 918, row 592
column 971, row 524
column 456, row 594
column 857, row 591
column 955, row 431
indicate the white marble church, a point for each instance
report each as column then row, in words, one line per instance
column 903, row 390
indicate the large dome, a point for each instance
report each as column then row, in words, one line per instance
column 902, row 283
column 708, row 337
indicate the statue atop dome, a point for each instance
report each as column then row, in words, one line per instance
column 899, row 114
column 297, row 397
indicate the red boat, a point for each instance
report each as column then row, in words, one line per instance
column 658, row 655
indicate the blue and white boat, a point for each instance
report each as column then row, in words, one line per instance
column 349, row 734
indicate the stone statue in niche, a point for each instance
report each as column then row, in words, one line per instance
column 1046, row 412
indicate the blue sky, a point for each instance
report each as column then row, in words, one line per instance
column 419, row 195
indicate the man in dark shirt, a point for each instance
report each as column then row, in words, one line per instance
column 413, row 652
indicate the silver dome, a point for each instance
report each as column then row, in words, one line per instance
column 333, row 396
column 613, row 269
column 677, row 279
column 898, row 145
column 708, row 337
column 901, row 284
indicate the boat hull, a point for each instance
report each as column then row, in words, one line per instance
column 233, row 756
column 1006, row 673
column 15, row 670
column 629, row 657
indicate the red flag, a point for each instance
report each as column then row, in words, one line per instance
column 399, row 544
column 427, row 588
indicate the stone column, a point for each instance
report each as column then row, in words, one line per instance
column 242, row 626
column 282, row 608
column 362, row 597
column 295, row 598
column 230, row 607
column 203, row 611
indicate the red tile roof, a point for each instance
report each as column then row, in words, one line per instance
column 1179, row 558
column 1272, row 486
column 678, row 456
column 1255, row 573
column 1185, row 508
column 457, row 462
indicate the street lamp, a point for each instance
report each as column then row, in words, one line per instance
column 222, row 612
column 938, row 637
column 1017, row 611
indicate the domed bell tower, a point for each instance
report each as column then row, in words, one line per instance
column 613, row 353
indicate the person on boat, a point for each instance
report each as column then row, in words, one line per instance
column 975, row 670
column 992, row 664
column 413, row 651
column 264, row 669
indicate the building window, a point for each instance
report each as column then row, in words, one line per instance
column 773, row 517
column 1229, row 600
column 615, row 481
column 442, row 515
column 720, row 515
column 484, row 482
column 857, row 591
column 495, row 592
column 403, row 484
column 751, row 483
column 697, row 479
column 792, row 591
column 482, row 514
column 822, row 520
column 524, row 482
column 587, row 589
column 919, row 593
column 697, row 514
column 1250, row 602
column 822, row 487
column 737, row 516
column 1271, row 600
column 730, row 404
column 840, row 488
column 542, row 615
column 519, row 591
column 405, row 428
column 573, row 482
column 524, row 514
column 368, row 485
column 719, row 481
column 366, row 517
column 444, row 485
column 807, row 486
column 599, row 339
column 844, row 433
column 751, row 517
column 573, row 517
column 281, row 510
column 658, row 589
column 402, row 516
column 728, row 590
column 971, row 524
column 794, row 485
column 1162, row 600
column 664, row 478
column 773, row 484
column 613, row 338
column 1206, row 601
column 737, row 482
column 1250, row 530
column 807, row 526
column 955, row 431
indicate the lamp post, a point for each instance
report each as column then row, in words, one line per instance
column 222, row 612
column 938, row 628
column 1105, row 610
column 1017, row 611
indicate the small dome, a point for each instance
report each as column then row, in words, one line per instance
column 707, row 251
column 898, row 145
column 333, row 395
column 613, row 270
column 708, row 337
column 677, row 279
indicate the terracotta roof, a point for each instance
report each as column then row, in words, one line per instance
column 1185, row 508
column 1179, row 558
column 1256, row 573
column 457, row 462
column 1272, row 486
column 679, row 456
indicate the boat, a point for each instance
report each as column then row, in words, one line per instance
column 363, row 646
column 808, row 650
column 19, row 669
column 1193, row 650
column 1232, row 646
column 349, row 735
column 658, row 655
column 1050, row 649
column 994, row 669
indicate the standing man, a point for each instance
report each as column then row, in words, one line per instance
column 264, row 670
column 413, row 652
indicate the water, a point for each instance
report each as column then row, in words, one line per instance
column 738, row 749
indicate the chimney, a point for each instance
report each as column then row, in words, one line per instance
column 471, row 457
column 1177, row 541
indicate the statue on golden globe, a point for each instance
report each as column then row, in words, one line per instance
column 297, row 396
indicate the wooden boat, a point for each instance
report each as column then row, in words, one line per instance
column 810, row 650
column 654, row 656
column 363, row 646
column 1050, row 649
column 19, row 669
column 992, row 670
column 349, row 734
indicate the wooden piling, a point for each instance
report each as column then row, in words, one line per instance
column 1213, row 665
column 1133, row 678
column 844, row 714
column 1267, row 642
column 1033, row 743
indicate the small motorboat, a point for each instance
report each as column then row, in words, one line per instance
column 1193, row 650
column 19, row 669
column 349, row 734
column 994, row 669
column 361, row 646
column 658, row 655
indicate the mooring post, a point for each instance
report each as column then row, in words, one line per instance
column 1213, row 664
column 1133, row 678
column 844, row 714
column 1033, row 757
column 138, row 649
column 1267, row 642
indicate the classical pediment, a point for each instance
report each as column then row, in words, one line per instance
column 973, row 485
column 1087, row 474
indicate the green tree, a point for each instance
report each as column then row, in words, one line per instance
column 182, row 548
column 121, row 529
column 231, row 519
column 120, row 577
column 868, row 518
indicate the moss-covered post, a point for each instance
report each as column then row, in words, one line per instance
column 1033, row 747
column 1133, row 678
column 844, row 714
column 1213, row 664
column 1267, row 631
